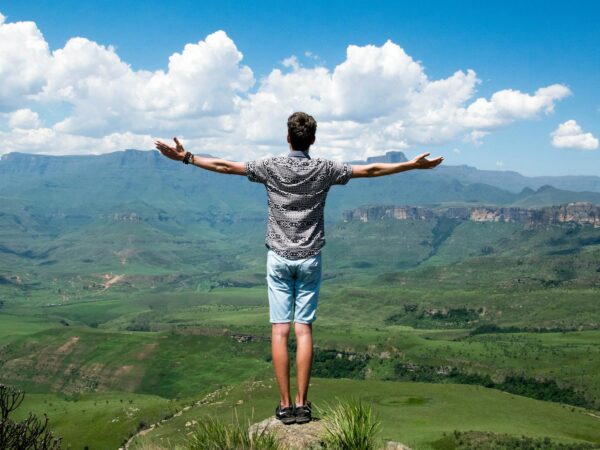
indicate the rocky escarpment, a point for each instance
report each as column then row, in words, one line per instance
column 579, row 213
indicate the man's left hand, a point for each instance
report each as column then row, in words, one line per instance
column 421, row 161
column 177, row 153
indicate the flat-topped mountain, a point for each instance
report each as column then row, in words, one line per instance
column 505, row 179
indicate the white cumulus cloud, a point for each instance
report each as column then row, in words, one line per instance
column 24, row 118
column 108, row 96
column 24, row 58
column 378, row 99
column 570, row 135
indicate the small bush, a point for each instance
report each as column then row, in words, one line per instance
column 351, row 425
column 215, row 434
column 485, row 440
column 29, row 434
column 146, row 443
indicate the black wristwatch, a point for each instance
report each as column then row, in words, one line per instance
column 188, row 158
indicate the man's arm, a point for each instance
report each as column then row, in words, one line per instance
column 380, row 169
column 214, row 164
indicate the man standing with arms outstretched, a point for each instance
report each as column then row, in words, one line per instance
column 297, row 187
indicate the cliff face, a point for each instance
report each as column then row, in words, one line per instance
column 584, row 213
column 378, row 212
column 580, row 213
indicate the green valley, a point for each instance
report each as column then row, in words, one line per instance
column 133, row 291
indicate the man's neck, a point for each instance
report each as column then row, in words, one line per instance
column 298, row 154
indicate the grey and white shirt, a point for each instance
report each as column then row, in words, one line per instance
column 297, row 188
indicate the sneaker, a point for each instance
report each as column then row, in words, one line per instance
column 285, row 414
column 303, row 413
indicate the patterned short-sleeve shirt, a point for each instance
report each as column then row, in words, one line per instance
column 297, row 188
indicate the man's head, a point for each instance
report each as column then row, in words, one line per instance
column 301, row 130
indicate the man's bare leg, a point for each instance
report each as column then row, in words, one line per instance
column 304, row 354
column 281, row 360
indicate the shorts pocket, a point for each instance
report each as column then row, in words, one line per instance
column 277, row 268
column 310, row 270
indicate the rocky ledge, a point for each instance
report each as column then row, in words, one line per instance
column 308, row 436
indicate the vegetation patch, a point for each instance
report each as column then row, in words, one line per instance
column 31, row 433
column 216, row 434
column 547, row 390
column 493, row 328
column 478, row 440
column 423, row 317
column 351, row 425
column 328, row 363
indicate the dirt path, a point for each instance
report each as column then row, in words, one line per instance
column 111, row 280
column 209, row 398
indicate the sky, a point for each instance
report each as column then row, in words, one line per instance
column 505, row 85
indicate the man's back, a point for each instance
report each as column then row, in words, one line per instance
column 297, row 188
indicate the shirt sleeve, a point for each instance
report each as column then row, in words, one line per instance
column 257, row 171
column 340, row 172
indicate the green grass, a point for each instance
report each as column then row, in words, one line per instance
column 417, row 414
column 12, row 325
column 99, row 420
column 79, row 359
column 351, row 425
column 216, row 434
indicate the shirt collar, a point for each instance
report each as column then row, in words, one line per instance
column 298, row 154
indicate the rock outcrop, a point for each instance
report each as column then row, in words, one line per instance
column 308, row 436
column 578, row 213
column 371, row 213
column 294, row 436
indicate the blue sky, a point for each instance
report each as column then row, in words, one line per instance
column 516, row 46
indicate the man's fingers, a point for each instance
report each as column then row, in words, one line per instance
column 423, row 155
column 177, row 142
column 436, row 161
column 164, row 146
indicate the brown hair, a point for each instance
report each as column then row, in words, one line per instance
column 301, row 129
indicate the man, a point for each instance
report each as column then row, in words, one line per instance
column 297, row 186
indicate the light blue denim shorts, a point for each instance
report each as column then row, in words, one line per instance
column 293, row 286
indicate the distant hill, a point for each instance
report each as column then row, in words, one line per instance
column 145, row 183
column 504, row 179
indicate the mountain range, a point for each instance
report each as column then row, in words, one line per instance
column 74, row 189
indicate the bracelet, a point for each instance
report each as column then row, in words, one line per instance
column 187, row 158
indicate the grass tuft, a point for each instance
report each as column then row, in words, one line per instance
column 351, row 425
column 216, row 434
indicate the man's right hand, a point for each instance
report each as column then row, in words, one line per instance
column 421, row 161
column 177, row 153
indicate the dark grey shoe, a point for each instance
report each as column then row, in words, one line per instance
column 303, row 413
column 285, row 414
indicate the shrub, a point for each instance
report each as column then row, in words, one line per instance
column 29, row 434
column 351, row 425
column 485, row 440
column 215, row 434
